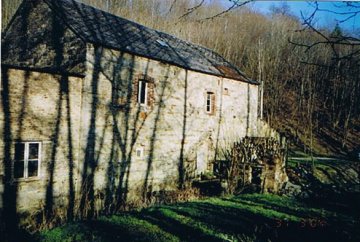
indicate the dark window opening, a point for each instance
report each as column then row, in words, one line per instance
column 19, row 169
column 210, row 102
column 33, row 167
column 142, row 92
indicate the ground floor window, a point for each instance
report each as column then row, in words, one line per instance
column 27, row 159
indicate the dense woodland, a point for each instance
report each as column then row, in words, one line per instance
column 311, row 76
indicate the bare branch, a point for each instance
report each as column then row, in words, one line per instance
column 191, row 10
column 172, row 6
column 235, row 4
column 349, row 17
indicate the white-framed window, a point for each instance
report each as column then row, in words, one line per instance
column 139, row 152
column 210, row 102
column 142, row 92
column 27, row 160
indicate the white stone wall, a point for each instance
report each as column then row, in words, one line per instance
column 42, row 111
column 164, row 132
column 174, row 131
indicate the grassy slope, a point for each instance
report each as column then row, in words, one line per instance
column 248, row 217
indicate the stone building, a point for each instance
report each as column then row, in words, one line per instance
column 97, row 110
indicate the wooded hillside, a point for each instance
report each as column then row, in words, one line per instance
column 311, row 77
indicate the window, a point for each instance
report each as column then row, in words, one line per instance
column 27, row 159
column 140, row 152
column 210, row 102
column 142, row 92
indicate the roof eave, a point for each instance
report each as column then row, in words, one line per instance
column 43, row 70
column 174, row 64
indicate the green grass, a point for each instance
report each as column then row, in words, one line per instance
column 248, row 217
column 113, row 228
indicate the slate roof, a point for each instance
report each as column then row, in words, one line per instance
column 102, row 28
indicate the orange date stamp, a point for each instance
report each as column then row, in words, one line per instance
column 304, row 223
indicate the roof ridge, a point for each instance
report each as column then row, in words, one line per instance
column 97, row 9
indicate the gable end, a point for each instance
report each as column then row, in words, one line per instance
column 38, row 39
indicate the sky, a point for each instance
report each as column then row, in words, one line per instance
column 324, row 18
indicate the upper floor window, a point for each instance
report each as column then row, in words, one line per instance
column 210, row 102
column 27, row 159
column 142, row 92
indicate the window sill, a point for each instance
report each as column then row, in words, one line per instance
column 118, row 106
column 143, row 107
column 22, row 180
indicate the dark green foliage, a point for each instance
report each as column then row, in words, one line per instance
column 337, row 32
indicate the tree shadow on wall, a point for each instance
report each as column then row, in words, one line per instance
column 125, row 123
column 128, row 120
column 14, row 132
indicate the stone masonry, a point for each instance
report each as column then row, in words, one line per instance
column 100, row 147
